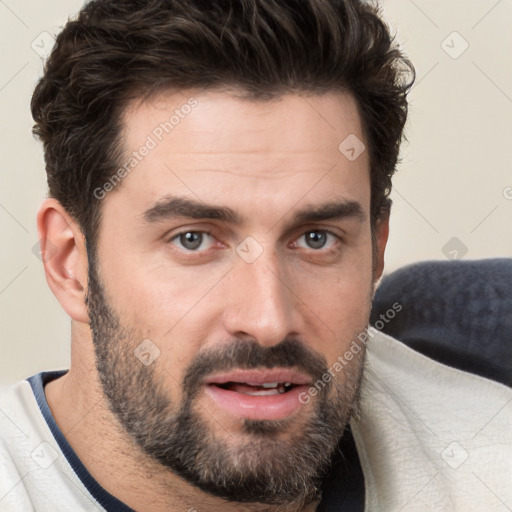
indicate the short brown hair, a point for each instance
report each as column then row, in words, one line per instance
column 117, row 50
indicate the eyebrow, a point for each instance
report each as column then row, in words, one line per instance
column 335, row 210
column 174, row 207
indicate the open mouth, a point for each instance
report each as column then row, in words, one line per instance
column 265, row 389
column 258, row 394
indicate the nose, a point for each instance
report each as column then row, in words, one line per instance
column 262, row 303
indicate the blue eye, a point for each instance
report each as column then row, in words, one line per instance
column 193, row 240
column 318, row 239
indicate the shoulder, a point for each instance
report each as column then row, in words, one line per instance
column 18, row 415
column 34, row 473
column 431, row 436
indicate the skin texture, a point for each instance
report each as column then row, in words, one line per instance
column 266, row 161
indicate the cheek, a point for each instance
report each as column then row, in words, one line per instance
column 337, row 304
column 350, row 296
column 346, row 313
column 154, row 293
column 152, row 302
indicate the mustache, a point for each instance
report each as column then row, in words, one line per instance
column 245, row 354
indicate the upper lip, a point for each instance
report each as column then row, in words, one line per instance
column 260, row 377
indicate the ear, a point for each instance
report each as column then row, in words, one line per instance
column 64, row 256
column 380, row 239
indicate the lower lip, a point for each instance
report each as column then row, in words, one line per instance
column 266, row 407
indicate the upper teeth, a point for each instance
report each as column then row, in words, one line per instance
column 274, row 384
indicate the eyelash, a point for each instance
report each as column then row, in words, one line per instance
column 322, row 231
column 209, row 234
column 196, row 231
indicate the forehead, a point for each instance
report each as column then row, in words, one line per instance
column 216, row 147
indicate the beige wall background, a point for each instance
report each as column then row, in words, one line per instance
column 452, row 195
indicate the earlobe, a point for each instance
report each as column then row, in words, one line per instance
column 64, row 256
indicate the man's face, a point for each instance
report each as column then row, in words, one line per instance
column 239, row 248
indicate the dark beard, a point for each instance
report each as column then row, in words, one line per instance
column 263, row 468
